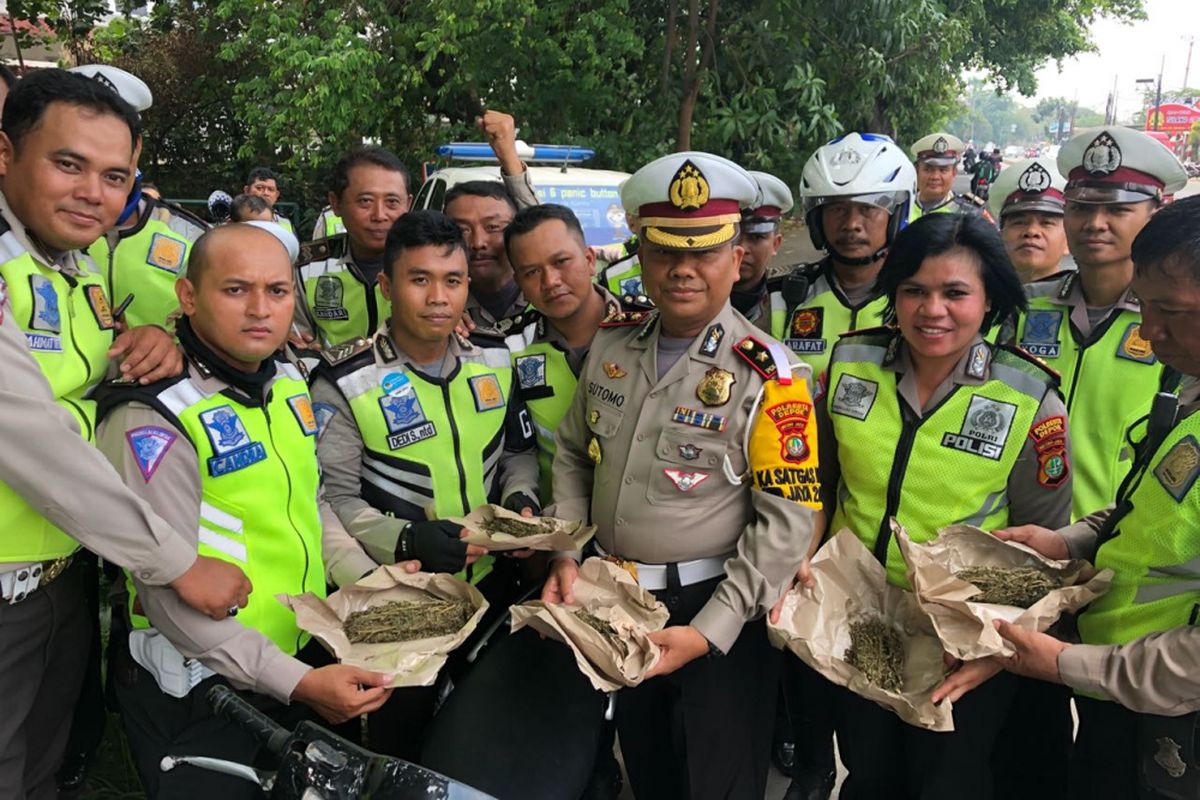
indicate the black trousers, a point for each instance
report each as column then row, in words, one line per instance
column 524, row 724
column 398, row 728
column 888, row 758
column 43, row 650
column 157, row 725
column 91, row 712
column 704, row 731
column 811, row 703
column 1033, row 752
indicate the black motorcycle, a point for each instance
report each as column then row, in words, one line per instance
column 318, row 765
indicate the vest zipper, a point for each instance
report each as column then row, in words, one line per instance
column 462, row 473
column 87, row 423
column 1075, row 375
column 292, row 522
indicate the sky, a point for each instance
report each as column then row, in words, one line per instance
column 1126, row 53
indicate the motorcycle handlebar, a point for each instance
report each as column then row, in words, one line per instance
column 226, row 703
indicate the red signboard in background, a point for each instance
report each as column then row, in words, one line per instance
column 1172, row 118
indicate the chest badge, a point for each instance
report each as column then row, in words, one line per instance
column 531, row 371
column 327, row 299
column 1134, row 347
column 100, row 309
column 166, row 253
column 714, row 387
column 689, row 452
column 686, row 481
column 593, row 450
column 302, row 409
column 1179, row 467
column 1040, row 336
column 232, row 447
column 614, row 371
column 486, row 389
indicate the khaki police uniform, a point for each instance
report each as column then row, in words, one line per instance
column 44, row 634
column 997, row 408
column 145, row 441
column 943, row 149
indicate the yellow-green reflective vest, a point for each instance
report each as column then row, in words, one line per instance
column 431, row 446
column 1155, row 551
column 1109, row 379
column 341, row 302
column 957, row 204
column 333, row 225
column 284, row 223
column 145, row 260
column 812, row 328
column 259, row 480
column 546, row 383
column 68, row 328
column 950, row 466
column 623, row 277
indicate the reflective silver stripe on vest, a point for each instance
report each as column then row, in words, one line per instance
column 289, row 371
column 394, row 489
column 10, row 247
column 411, row 478
column 869, row 353
column 315, row 269
column 359, row 382
column 991, row 504
column 516, row 342
column 179, row 397
column 1182, row 579
column 494, row 357
column 777, row 302
column 1023, row 382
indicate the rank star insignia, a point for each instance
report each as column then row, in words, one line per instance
column 689, row 188
column 593, row 450
column 713, row 389
column 614, row 371
column 689, row 452
column 686, row 481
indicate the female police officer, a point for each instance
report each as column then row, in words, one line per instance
column 962, row 432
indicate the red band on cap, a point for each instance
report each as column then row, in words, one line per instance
column 764, row 212
column 1121, row 175
column 1049, row 194
column 712, row 208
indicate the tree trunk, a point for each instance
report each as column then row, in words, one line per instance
column 687, row 101
column 664, row 74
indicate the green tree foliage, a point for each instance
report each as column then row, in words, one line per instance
column 240, row 82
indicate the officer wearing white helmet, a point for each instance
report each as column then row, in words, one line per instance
column 856, row 191
column 1087, row 325
column 937, row 156
column 1027, row 199
column 761, row 238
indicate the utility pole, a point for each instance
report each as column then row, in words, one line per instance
column 1191, row 40
column 1158, row 94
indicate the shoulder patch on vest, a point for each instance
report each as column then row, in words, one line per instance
column 1179, row 467
column 515, row 322
column 341, row 353
column 149, row 445
column 881, row 335
column 972, row 199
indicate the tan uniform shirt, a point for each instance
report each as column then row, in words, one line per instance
column 243, row 655
column 1156, row 674
column 629, row 419
column 340, row 447
column 46, row 460
column 1029, row 501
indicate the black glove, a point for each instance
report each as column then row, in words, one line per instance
column 435, row 544
column 520, row 500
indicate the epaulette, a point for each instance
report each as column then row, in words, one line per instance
column 758, row 356
column 974, row 199
column 341, row 353
column 624, row 319
column 515, row 322
column 180, row 211
column 636, row 302
column 777, row 273
column 1029, row 358
column 322, row 249
column 878, row 330
column 116, row 392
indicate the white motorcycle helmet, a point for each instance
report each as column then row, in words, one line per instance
column 863, row 167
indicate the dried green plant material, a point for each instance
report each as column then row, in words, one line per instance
column 517, row 528
column 1008, row 586
column 407, row 620
column 877, row 651
column 603, row 628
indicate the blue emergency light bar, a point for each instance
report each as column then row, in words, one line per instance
column 480, row 151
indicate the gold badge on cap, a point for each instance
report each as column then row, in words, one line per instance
column 1102, row 156
column 594, row 450
column 713, row 389
column 689, row 188
column 1035, row 179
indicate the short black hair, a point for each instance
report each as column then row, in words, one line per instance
column 493, row 189
column 422, row 228
column 7, row 75
column 32, row 95
column 246, row 204
column 935, row 234
column 375, row 156
column 262, row 174
column 527, row 219
column 1171, row 238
